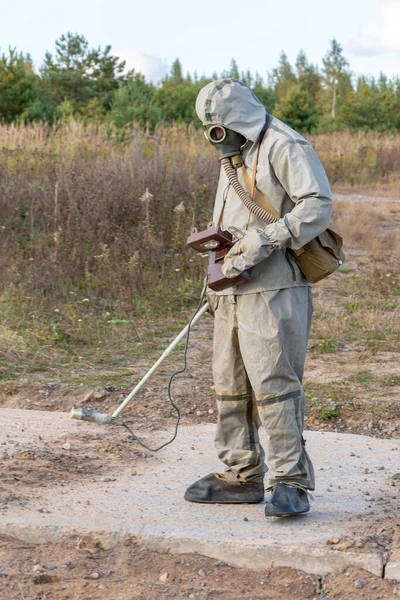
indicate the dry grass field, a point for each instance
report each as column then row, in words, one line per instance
column 95, row 276
column 95, row 280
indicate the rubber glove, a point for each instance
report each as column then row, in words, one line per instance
column 246, row 253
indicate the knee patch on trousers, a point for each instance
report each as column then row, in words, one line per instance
column 231, row 398
column 275, row 399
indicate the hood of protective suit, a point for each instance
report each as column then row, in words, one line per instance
column 231, row 103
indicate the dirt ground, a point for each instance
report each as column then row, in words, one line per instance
column 350, row 388
column 80, row 569
column 26, row 469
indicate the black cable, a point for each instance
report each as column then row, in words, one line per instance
column 171, row 401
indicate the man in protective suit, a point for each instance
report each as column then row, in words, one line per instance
column 262, row 325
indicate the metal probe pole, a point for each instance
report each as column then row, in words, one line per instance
column 164, row 355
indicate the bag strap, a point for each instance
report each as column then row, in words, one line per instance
column 221, row 214
column 255, row 194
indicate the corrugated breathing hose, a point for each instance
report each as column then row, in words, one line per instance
column 244, row 196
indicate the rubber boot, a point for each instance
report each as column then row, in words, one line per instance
column 286, row 500
column 215, row 490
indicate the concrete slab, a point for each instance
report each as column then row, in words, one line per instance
column 150, row 505
column 392, row 570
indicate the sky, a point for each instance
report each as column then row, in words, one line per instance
column 206, row 35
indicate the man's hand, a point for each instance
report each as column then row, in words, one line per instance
column 246, row 253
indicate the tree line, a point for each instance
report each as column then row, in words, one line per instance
column 91, row 84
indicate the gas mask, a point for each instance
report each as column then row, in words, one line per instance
column 227, row 143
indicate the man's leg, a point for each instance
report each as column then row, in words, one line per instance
column 273, row 333
column 237, row 441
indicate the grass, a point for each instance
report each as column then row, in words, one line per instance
column 328, row 413
column 368, row 379
column 104, row 380
column 362, row 159
column 363, row 300
column 353, row 398
column 337, row 391
column 390, row 380
column 94, row 270
column 327, row 347
column 363, row 377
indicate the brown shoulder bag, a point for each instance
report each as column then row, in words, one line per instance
column 317, row 259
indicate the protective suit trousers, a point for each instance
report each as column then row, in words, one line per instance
column 260, row 345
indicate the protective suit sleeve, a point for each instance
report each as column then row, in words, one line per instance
column 248, row 252
column 302, row 175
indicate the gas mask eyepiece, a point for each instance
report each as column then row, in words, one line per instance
column 215, row 134
column 227, row 143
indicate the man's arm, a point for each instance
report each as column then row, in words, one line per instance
column 302, row 176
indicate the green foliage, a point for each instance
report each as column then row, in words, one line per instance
column 134, row 102
column 373, row 106
column 176, row 72
column 283, row 77
column 175, row 98
column 391, row 380
column 327, row 347
column 266, row 95
column 91, row 84
column 298, row 110
column 39, row 110
column 329, row 413
column 308, row 76
column 234, row 70
column 363, row 377
column 65, row 111
column 335, row 64
column 17, row 85
column 80, row 74
column 336, row 77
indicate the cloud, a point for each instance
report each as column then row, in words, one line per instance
column 153, row 68
column 380, row 34
column 362, row 47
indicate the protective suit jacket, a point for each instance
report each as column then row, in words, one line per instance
column 289, row 175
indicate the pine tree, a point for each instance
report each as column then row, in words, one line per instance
column 18, row 85
column 308, row 76
column 234, row 70
column 176, row 71
column 79, row 74
column 134, row 102
column 335, row 69
column 283, row 77
column 298, row 110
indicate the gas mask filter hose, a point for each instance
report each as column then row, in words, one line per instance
column 244, row 196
